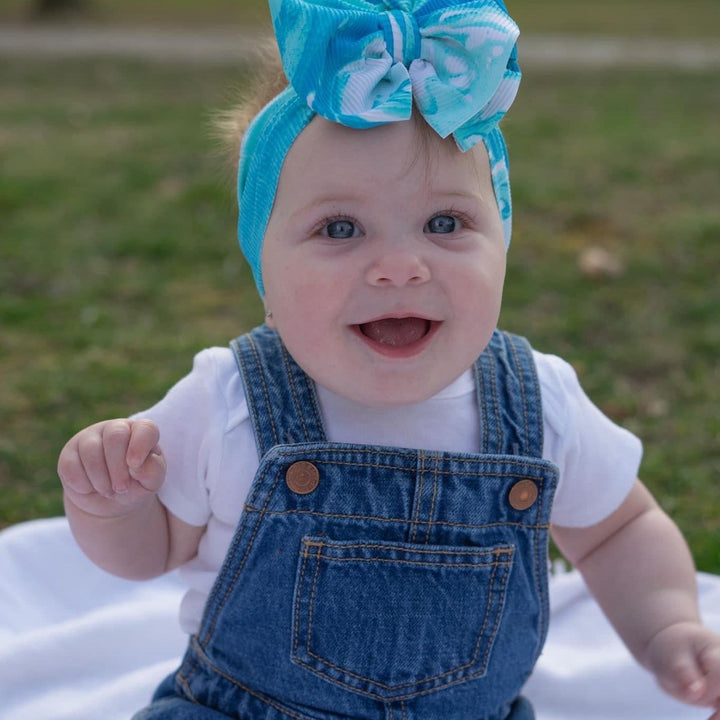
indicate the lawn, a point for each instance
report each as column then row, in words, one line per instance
column 665, row 18
column 118, row 259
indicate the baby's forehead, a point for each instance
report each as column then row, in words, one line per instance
column 397, row 148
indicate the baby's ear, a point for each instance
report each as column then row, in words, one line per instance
column 269, row 320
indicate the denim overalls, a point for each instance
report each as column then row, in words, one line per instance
column 377, row 583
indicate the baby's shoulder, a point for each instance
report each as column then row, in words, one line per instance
column 214, row 384
column 554, row 371
column 559, row 388
column 214, row 363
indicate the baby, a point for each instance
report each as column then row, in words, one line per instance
column 360, row 492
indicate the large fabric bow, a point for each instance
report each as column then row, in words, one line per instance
column 362, row 62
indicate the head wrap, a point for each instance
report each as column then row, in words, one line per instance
column 364, row 63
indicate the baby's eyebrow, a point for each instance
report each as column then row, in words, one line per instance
column 339, row 200
column 476, row 196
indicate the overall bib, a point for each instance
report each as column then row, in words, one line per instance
column 377, row 583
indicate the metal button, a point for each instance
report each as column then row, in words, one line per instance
column 302, row 477
column 523, row 494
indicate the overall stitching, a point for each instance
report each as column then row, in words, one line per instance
column 311, row 395
column 207, row 635
column 303, row 451
column 184, row 683
column 533, row 379
column 419, row 693
column 271, row 702
column 318, row 555
column 529, row 449
column 419, row 550
column 469, row 526
column 431, row 515
column 509, row 551
column 296, row 399
column 415, row 520
column 526, row 428
column 251, row 399
column 212, row 597
column 496, row 405
column 299, row 408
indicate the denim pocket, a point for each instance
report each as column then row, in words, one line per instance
column 392, row 619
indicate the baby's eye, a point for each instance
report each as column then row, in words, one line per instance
column 442, row 224
column 340, row 229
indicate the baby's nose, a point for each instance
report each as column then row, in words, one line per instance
column 398, row 268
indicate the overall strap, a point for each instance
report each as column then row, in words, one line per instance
column 281, row 398
column 509, row 398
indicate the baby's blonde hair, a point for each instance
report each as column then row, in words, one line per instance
column 267, row 80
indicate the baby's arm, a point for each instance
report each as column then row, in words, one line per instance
column 111, row 473
column 637, row 565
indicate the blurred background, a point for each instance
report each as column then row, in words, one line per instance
column 118, row 258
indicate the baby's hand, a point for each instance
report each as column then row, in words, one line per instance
column 112, row 467
column 685, row 659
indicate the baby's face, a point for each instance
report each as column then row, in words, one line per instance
column 383, row 260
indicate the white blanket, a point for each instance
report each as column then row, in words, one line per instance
column 78, row 644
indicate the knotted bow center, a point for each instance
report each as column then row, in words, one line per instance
column 402, row 36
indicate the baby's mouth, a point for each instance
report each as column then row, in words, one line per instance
column 396, row 332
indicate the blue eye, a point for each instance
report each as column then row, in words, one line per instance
column 441, row 224
column 340, row 229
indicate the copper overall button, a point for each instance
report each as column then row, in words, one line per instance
column 302, row 477
column 523, row 494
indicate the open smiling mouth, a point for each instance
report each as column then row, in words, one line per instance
column 398, row 334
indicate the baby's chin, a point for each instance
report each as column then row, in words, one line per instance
column 397, row 393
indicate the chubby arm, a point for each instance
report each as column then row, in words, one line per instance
column 639, row 569
column 111, row 473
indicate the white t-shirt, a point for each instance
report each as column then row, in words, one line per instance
column 208, row 441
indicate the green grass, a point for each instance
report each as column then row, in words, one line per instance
column 639, row 18
column 118, row 259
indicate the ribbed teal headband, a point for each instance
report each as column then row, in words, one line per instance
column 363, row 63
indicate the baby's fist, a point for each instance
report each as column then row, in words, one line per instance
column 111, row 467
column 685, row 658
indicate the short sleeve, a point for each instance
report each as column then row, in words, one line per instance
column 191, row 418
column 598, row 460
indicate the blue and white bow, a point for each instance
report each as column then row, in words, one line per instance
column 363, row 62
